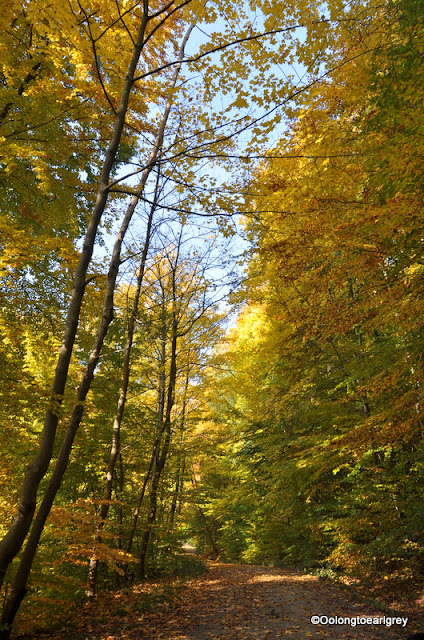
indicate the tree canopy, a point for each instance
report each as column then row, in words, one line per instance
column 164, row 380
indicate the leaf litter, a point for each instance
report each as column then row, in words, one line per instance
column 229, row 602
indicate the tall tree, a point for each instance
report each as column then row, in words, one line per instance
column 325, row 406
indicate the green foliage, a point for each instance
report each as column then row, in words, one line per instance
column 320, row 390
column 176, row 564
column 299, row 440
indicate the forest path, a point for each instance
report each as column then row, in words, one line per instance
column 240, row 602
column 234, row 602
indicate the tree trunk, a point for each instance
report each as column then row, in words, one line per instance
column 116, row 429
column 179, row 479
column 17, row 593
column 12, row 542
column 162, row 455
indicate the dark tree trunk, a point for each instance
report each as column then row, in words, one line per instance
column 12, row 542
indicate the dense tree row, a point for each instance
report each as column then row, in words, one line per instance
column 324, row 368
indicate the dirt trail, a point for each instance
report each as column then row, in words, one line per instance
column 233, row 602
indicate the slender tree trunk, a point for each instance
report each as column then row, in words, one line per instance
column 12, row 542
column 180, row 500
column 162, row 455
column 116, row 429
column 153, row 500
column 160, row 459
column 159, row 426
column 179, row 479
column 18, row 590
column 119, row 577
column 137, row 509
column 174, row 502
column 119, row 494
column 210, row 533
column 19, row 584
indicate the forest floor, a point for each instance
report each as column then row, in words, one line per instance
column 236, row 602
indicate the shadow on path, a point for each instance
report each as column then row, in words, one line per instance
column 233, row 602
